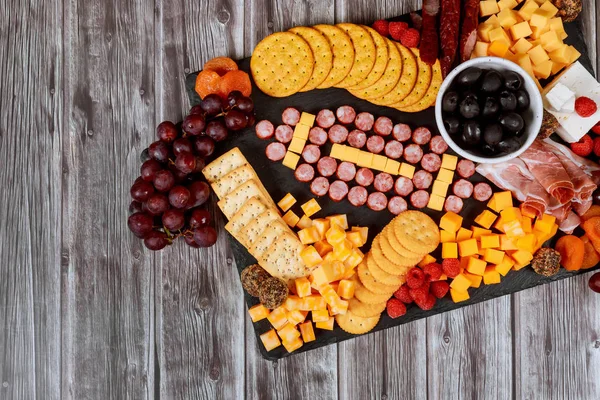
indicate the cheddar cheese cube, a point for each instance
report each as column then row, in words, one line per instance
column 508, row 18
column 302, row 287
column 488, row 7
column 527, row 242
column 507, row 243
column 522, row 46
column 464, row 261
column 436, row 202
column 449, row 161
column 407, row 170
column 301, row 132
column 327, row 325
column 365, row 159
column 463, row 234
column 364, row 232
column 505, row 266
column 557, row 26
column 270, row 340
column 322, row 226
column 574, row 54
column 513, row 229
column 527, row 10
column 446, row 236
column 320, row 315
column 499, row 35
column 330, row 295
column 475, row 279
column 490, row 241
column 481, row 49
column 312, row 302
column 318, row 277
column 295, row 317
column 292, row 303
column 291, row 218
column 310, row 207
column 258, row 312
column 287, row 202
column 476, row 266
column 449, row 250
column 484, row 29
column 334, row 270
column 499, row 224
column 351, row 154
column 340, row 307
column 479, row 232
column 468, row 247
column 550, row 41
column 520, row 30
column 293, row 345
column 510, row 214
column 440, row 188
column 458, row 296
column 540, row 18
column 304, row 222
column 543, row 70
column 323, row 247
column 550, row 9
column 428, row 259
column 378, row 162
column 307, row 119
column 346, row 289
column 493, row 256
column 522, row 257
column 543, row 225
column 491, row 276
column 493, row 20
column 308, row 334
column 499, row 49
column 290, row 160
column 355, row 238
column 392, row 166
column 507, row 4
column 297, row 145
column 486, row 219
column 561, row 55
column 337, row 151
column 342, row 250
column 445, row 175
column 356, row 256
column 526, row 224
column 538, row 55
column 461, row 283
column 335, row 234
column 451, row 222
column 340, row 219
column 309, row 236
column 278, row 317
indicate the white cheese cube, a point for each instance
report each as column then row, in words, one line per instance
column 558, row 96
column 569, row 106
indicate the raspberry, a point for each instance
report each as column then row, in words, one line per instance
column 419, row 294
column 395, row 308
column 382, row 27
column 597, row 146
column 439, row 289
column 433, row 271
column 403, row 295
column 584, row 147
column 585, row 107
column 415, row 278
column 451, row 267
column 426, row 303
column 397, row 29
column 410, row 38
column 596, row 128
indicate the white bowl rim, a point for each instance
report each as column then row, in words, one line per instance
column 535, row 103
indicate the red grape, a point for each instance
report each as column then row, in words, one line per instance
column 182, row 145
column 251, row 119
column 173, row 219
column 233, row 97
column 159, row 151
column 245, row 105
column 200, row 192
column 212, row 104
column 216, row 130
column 144, row 155
column 205, row 236
column 157, row 204
column 235, row 120
column 140, row 224
column 164, row 181
column 189, row 240
column 196, row 110
column 595, row 282
column 167, row 131
column 179, row 196
column 198, row 218
column 140, row 191
column 136, row 206
column 194, row 124
column 156, row 240
column 149, row 169
column 185, row 162
column 200, row 164
column 204, row 146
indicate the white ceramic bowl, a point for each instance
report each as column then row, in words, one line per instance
column 532, row 116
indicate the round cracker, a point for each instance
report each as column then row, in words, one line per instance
column 398, row 247
column 407, row 80
column 381, row 60
column 356, row 325
column 380, row 275
column 385, row 264
column 423, row 81
column 417, row 231
column 365, row 295
column 369, row 281
column 321, row 52
column 429, row 99
column 281, row 64
column 343, row 54
column 394, row 256
column 388, row 80
column 365, row 310
column 364, row 54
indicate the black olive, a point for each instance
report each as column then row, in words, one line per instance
column 512, row 80
column 488, row 150
column 522, row 100
column 469, row 76
column 509, row 145
column 452, row 125
column 492, row 134
column 450, row 102
column 471, row 135
column 512, row 122
column 491, row 108
column 470, row 95
column 492, row 82
column 469, row 108
column 508, row 101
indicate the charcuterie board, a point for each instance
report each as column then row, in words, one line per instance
column 279, row 180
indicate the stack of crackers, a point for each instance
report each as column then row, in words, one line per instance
column 401, row 245
column 254, row 219
column 349, row 56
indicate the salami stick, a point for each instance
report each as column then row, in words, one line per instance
column 449, row 22
column 468, row 33
column 429, row 34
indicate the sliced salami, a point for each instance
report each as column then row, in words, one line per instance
column 338, row 134
column 304, row 173
column 431, row 162
column 403, row 186
column 311, row 153
column 264, row 129
column 290, row 116
column 346, row 171
column 377, row 201
column 453, row 203
column 383, row 182
column 364, row 121
column 422, row 179
column 465, row 168
column 394, row 149
column 345, row 114
column 284, row 133
column 325, row 118
column 357, row 138
column 357, row 196
column 396, row 205
column 375, row 144
column 364, row 177
column 319, row 186
column 317, row 135
column 421, row 135
column 401, row 132
column 275, row 151
column 327, row 166
column 413, row 153
column 419, row 199
column 463, row 188
column 438, row 145
column 338, row 190
column 482, row 191
column 383, row 126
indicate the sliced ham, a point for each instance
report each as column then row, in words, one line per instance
column 588, row 166
column 569, row 224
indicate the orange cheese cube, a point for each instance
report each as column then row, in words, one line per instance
column 308, row 334
column 480, row 250
column 322, row 226
column 407, row 170
column 490, row 241
column 258, row 312
column 291, row 218
column 486, row 219
column 342, row 250
column 293, row 345
column 318, row 277
column 323, row 247
column 476, row 266
column 445, row 175
column 520, row 30
column 310, row 207
column 467, row 247
column 507, row 243
column 290, row 160
column 508, row 19
column 355, row 238
column 428, row 259
column 270, row 340
column 464, row 261
column 498, row 48
column 334, row 285
column 511, row 214
column 329, row 257
column 479, row 232
column 551, row 41
column 481, row 49
column 340, row 308
column 522, row 46
column 312, row 302
column 436, row 202
column 309, row 235
column 499, row 225
column 310, row 256
column 278, row 317
column 340, row 219
column 463, row 234
column 320, row 315
column 549, row 8
column 329, row 294
column 491, row 276
column 521, row 257
column 543, row 70
column 450, row 221
column 446, row 236
column 287, row 202
column 304, row 222
column 527, row 10
column 540, row 18
column 355, row 258
column 475, row 279
column 461, row 283
column 537, row 54
column 364, row 233
column 291, row 303
column 302, row 287
column 504, row 4
column 527, row 242
column 334, row 270
column 543, row 225
column 346, row 289
column 513, row 229
column 493, row 256
column 294, row 317
column 288, row 333
column 449, row 161
column 449, row 250
column 328, row 325
column 488, row 7
column 505, row 266
column 335, row 234
column 307, row 119
column 458, row 296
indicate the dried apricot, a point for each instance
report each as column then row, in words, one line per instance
column 207, row 82
column 235, row 80
column 594, row 211
column 590, row 255
column 221, row 65
column 571, row 250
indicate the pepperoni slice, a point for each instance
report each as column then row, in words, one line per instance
column 465, row 168
column 317, row 135
column 438, row 145
column 482, row 191
column 325, row 118
column 364, row 177
column 463, row 188
column 275, row 151
column 357, row 196
column 394, row 149
column 413, row 153
column 421, row 135
column 284, row 133
column 364, row 121
column 290, row 116
column 403, row 186
column 402, row 132
column 396, row 205
column 338, row 190
column 357, row 138
column 431, row 162
column 338, row 134
column 345, row 114
column 327, row 166
column 320, row 186
column 383, row 182
column 377, row 201
column 311, row 153
column 375, row 144
column 346, row 171
column 383, row 126
column 422, row 179
column 264, row 129
column 419, row 199
column 304, row 173
column 453, row 203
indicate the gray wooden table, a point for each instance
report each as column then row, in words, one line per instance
column 87, row 313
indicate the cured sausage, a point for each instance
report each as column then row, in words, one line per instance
column 429, row 36
column 364, row 177
column 468, row 31
column 419, row 199
column 325, row 118
column 364, row 121
column 453, row 203
column 394, row 149
column 304, row 173
column 327, row 166
column 357, row 196
column 320, row 186
column 465, row 168
column 311, row 153
column 396, row 205
column 375, row 144
column 421, row 135
column 449, row 26
column 338, row 190
column 317, row 135
column 401, row 132
column 284, row 133
column 431, row 162
column 377, row 201
column 383, row 182
column 338, row 134
column 438, row 145
column 403, row 186
column 413, row 153
column 422, row 179
column 463, row 188
column 264, row 129
column 357, row 138
column 482, row 191
column 290, row 116
column 275, row 151
column 383, row 126
column 345, row 114
column 346, row 171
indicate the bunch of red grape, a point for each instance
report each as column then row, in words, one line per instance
column 169, row 194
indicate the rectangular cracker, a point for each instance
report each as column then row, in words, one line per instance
column 223, row 165
column 235, row 178
column 251, row 232
column 234, row 201
column 250, row 210
column 267, row 237
column 282, row 259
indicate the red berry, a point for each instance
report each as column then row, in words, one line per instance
column 397, row 29
column 585, row 107
column 594, row 282
column 382, row 27
column 439, row 288
column 584, row 147
column 596, row 128
column 410, row 38
column 419, row 294
column 433, row 271
column 426, row 303
column 415, row 278
column 395, row 308
column 597, row 146
column 403, row 295
column 451, row 267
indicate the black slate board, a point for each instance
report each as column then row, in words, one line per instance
column 280, row 180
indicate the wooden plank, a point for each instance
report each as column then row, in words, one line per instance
column 107, row 338
column 30, row 178
column 589, row 21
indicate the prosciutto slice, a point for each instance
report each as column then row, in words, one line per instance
column 588, row 166
column 569, row 224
